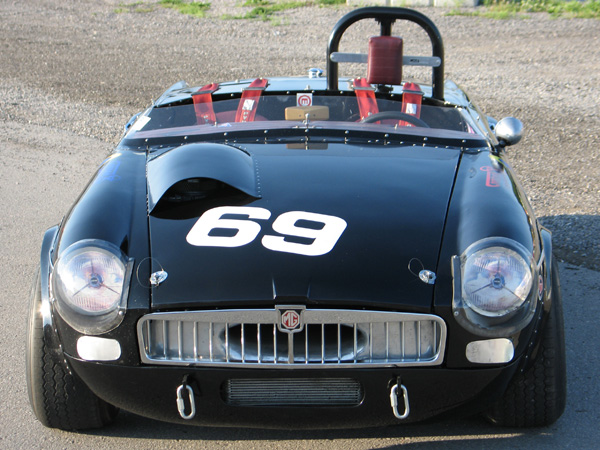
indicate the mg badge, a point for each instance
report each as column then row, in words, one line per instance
column 290, row 319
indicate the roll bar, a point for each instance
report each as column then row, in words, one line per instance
column 386, row 16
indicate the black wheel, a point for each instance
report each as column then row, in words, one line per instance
column 395, row 115
column 537, row 396
column 58, row 398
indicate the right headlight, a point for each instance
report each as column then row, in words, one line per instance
column 90, row 283
column 494, row 292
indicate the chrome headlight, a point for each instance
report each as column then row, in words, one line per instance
column 90, row 283
column 494, row 289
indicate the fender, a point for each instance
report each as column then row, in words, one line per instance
column 485, row 186
column 113, row 208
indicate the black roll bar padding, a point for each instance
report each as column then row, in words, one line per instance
column 386, row 16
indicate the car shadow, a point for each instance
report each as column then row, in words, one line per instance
column 463, row 433
column 576, row 238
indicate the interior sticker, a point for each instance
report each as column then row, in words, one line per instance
column 304, row 100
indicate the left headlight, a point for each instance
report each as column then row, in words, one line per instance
column 90, row 283
column 494, row 293
column 495, row 281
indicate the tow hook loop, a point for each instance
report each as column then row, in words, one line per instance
column 394, row 401
column 181, row 402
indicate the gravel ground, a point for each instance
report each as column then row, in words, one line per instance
column 84, row 68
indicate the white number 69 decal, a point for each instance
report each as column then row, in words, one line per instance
column 324, row 235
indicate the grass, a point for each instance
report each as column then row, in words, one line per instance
column 491, row 9
column 138, row 7
column 263, row 10
column 507, row 9
column 197, row 9
column 330, row 2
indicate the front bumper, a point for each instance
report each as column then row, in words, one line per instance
column 151, row 391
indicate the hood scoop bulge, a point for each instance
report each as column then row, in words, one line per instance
column 209, row 174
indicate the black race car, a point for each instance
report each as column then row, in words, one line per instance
column 303, row 252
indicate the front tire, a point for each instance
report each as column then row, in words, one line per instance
column 537, row 397
column 59, row 399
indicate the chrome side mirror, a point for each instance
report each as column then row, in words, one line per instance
column 508, row 131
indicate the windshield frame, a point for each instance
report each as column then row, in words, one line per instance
column 147, row 129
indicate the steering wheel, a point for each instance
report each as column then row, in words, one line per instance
column 395, row 115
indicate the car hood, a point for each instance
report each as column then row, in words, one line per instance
column 392, row 202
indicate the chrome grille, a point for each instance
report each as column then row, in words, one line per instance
column 293, row 392
column 341, row 338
